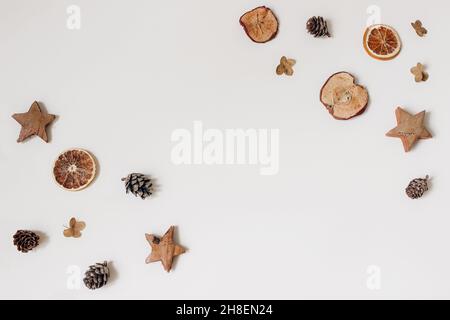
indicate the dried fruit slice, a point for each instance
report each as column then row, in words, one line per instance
column 74, row 169
column 382, row 42
column 342, row 97
column 260, row 24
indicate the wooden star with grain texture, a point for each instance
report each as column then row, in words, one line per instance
column 33, row 122
column 164, row 249
column 410, row 128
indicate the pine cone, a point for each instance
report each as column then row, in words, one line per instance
column 97, row 276
column 417, row 188
column 139, row 185
column 318, row 27
column 26, row 240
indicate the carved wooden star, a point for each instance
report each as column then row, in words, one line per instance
column 410, row 128
column 164, row 249
column 33, row 122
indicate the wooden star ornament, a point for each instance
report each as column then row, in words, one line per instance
column 34, row 122
column 410, row 128
column 164, row 249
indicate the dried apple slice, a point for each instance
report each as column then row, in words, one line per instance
column 260, row 24
column 342, row 97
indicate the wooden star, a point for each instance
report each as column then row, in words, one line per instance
column 33, row 122
column 410, row 128
column 164, row 249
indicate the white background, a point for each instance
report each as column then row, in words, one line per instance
column 138, row 70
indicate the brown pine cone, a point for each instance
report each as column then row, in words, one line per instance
column 318, row 27
column 25, row 240
column 417, row 188
column 96, row 276
column 139, row 185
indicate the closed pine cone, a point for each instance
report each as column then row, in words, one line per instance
column 138, row 184
column 318, row 27
column 25, row 240
column 417, row 188
column 97, row 276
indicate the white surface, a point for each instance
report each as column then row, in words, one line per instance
column 138, row 70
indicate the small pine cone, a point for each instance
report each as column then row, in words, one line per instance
column 417, row 188
column 25, row 240
column 317, row 26
column 97, row 276
column 139, row 185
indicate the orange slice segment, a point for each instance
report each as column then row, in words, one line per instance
column 74, row 169
column 382, row 42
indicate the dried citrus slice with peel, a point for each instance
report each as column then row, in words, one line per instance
column 382, row 42
column 74, row 169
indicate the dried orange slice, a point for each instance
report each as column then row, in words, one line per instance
column 382, row 42
column 74, row 169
